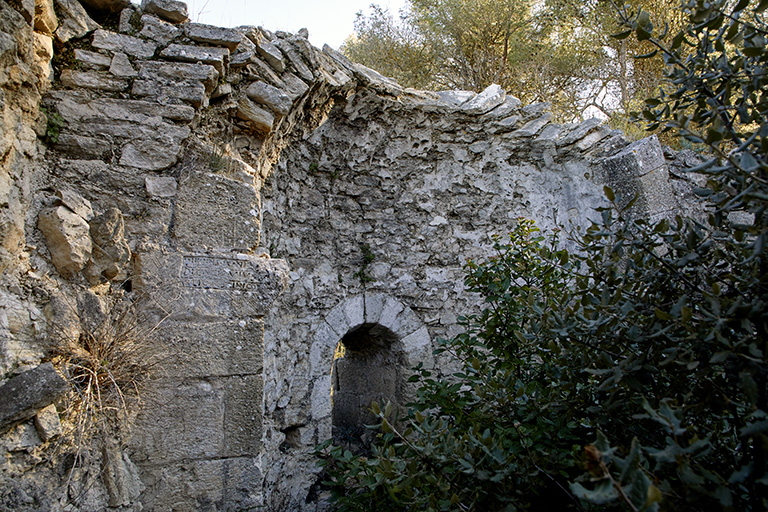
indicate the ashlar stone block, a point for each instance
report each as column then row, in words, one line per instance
column 220, row 348
column 214, row 211
column 210, row 286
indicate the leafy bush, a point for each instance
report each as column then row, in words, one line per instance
column 650, row 339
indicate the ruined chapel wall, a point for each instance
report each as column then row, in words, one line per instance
column 385, row 202
column 203, row 171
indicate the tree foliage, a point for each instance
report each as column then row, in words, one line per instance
column 558, row 51
column 629, row 373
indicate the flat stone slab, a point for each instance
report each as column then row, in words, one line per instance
column 92, row 80
column 24, row 395
column 92, row 60
column 490, row 98
column 210, row 34
column 207, row 55
column 179, row 71
column 272, row 97
column 189, row 92
column 73, row 107
column 170, row 10
column 261, row 120
column 115, row 42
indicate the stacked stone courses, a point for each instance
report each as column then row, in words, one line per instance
column 264, row 199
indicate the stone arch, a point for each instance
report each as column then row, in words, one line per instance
column 392, row 332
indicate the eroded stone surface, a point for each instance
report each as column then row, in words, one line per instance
column 24, row 395
column 170, row 10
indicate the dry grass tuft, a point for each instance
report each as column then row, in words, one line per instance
column 107, row 363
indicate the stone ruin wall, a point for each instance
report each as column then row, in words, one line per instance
column 264, row 199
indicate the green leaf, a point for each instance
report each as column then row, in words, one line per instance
column 603, row 492
column 609, row 193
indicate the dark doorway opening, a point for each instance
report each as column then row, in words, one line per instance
column 366, row 368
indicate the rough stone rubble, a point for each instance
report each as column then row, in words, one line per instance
column 174, row 162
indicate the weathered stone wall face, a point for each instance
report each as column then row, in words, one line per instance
column 390, row 197
column 202, row 172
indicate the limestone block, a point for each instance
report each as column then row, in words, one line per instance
column 157, row 131
column 210, row 286
column 641, row 169
column 151, row 155
column 67, row 237
column 321, row 404
column 377, row 81
column 581, row 131
column 456, row 97
column 110, row 249
column 242, row 59
column 535, row 110
column 187, row 91
column 186, row 422
column 47, row 423
column 259, row 70
column 322, row 347
column 21, row 438
column 221, row 348
column 548, row 135
column 74, row 22
column 187, row 53
column 534, row 126
column 374, row 303
column 92, row 80
column 490, row 98
column 92, row 60
column 191, row 485
column 270, row 53
column 170, row 10
column 76, row 203
column 593, row 138
column 27, row 9
column 120, row 475
column 124, row 25
column 510, row 106
column 73, row 108
column 210, row 34
column 22, row 396
column 306, row 50
column 272, row 97
column 221, row 91
column 294, row 86
column 180, row 72
column 161, row 186
column 158, row 30
column 260, row 119
column 294, row 59
column 121, row 66
column 43, row 45
column 417, row 348
column 195, row 419
column 46, row 21
column 106, row 5
column 116, row 42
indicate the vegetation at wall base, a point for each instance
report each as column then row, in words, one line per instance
column 630, row 373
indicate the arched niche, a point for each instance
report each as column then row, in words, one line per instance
column 379, row 331
column 367, row 367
